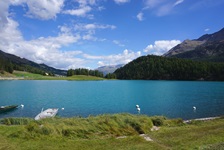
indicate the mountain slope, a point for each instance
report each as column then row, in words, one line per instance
column 161, row 68
column 209, row 47
column 108, row 69
column 24, row 64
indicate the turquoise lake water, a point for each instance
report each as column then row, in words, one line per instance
column 173, row 99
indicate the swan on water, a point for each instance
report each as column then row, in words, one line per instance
column 194, row 107
column 138, row 109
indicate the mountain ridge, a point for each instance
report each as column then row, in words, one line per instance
column 208, row 47
column 109, row 69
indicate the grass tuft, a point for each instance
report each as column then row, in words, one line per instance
column 15, row 121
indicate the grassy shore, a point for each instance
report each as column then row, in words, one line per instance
column 115, row 131
column 22, row 75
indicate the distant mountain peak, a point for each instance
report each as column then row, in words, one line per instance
column 217, row 36
column 207, row 47
column 109, row 68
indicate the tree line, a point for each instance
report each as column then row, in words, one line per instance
column 162, row 68
column 83, row 71
column 6, row 66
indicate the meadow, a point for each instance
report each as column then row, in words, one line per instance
column 22, row 75
column 111, row 131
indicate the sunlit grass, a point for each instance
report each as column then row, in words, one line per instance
column 102, row 132
column 32, row 76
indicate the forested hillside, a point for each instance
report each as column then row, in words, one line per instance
column 8, row 65
column 161, row 68
column 9, row 62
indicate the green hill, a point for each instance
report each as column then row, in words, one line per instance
column 161, row 68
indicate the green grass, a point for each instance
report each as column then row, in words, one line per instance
column 101, row 132
column 84, row 77
column 6, row 74
column 27, row 75
column 32, row 76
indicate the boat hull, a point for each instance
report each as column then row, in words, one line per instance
column 4, row 109
column 48, row 113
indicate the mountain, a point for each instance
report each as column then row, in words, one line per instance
column 109, row 69
column 163, row 68
column 18, row 63
column 209, row 47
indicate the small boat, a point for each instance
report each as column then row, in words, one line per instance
column 7, row 108
column 48, row 113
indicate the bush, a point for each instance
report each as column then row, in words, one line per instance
column 174, row 122
column 135, row 125
column 31, row 127
column 158, row 121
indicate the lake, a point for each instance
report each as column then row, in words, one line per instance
column 173, row 99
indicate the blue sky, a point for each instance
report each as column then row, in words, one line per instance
column 90, row 33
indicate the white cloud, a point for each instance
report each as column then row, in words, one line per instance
column 121, row 1
column 118, row 43
column 48, row 49
column 206, row 30
column 88, row 31
column 100, row 8
column 178, row 2
column 84, row 8
column 43, row 9
column 152, row 3
column 81, row 12
column 206, row 4
column 89, row 37
column 40, row 9
column 161, row 7
column 3, row 13
column 122, row 58
column 41, row 50
column 140, row 16
column 164, row 10
column 93, row 26
column 161, row 47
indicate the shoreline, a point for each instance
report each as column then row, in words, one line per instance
column 11, row 78
column 201, row 119
column 184, row 121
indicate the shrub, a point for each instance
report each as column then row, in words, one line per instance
column 158, row 121
column 32, row 127
column 135, row 125
column 174, row 122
